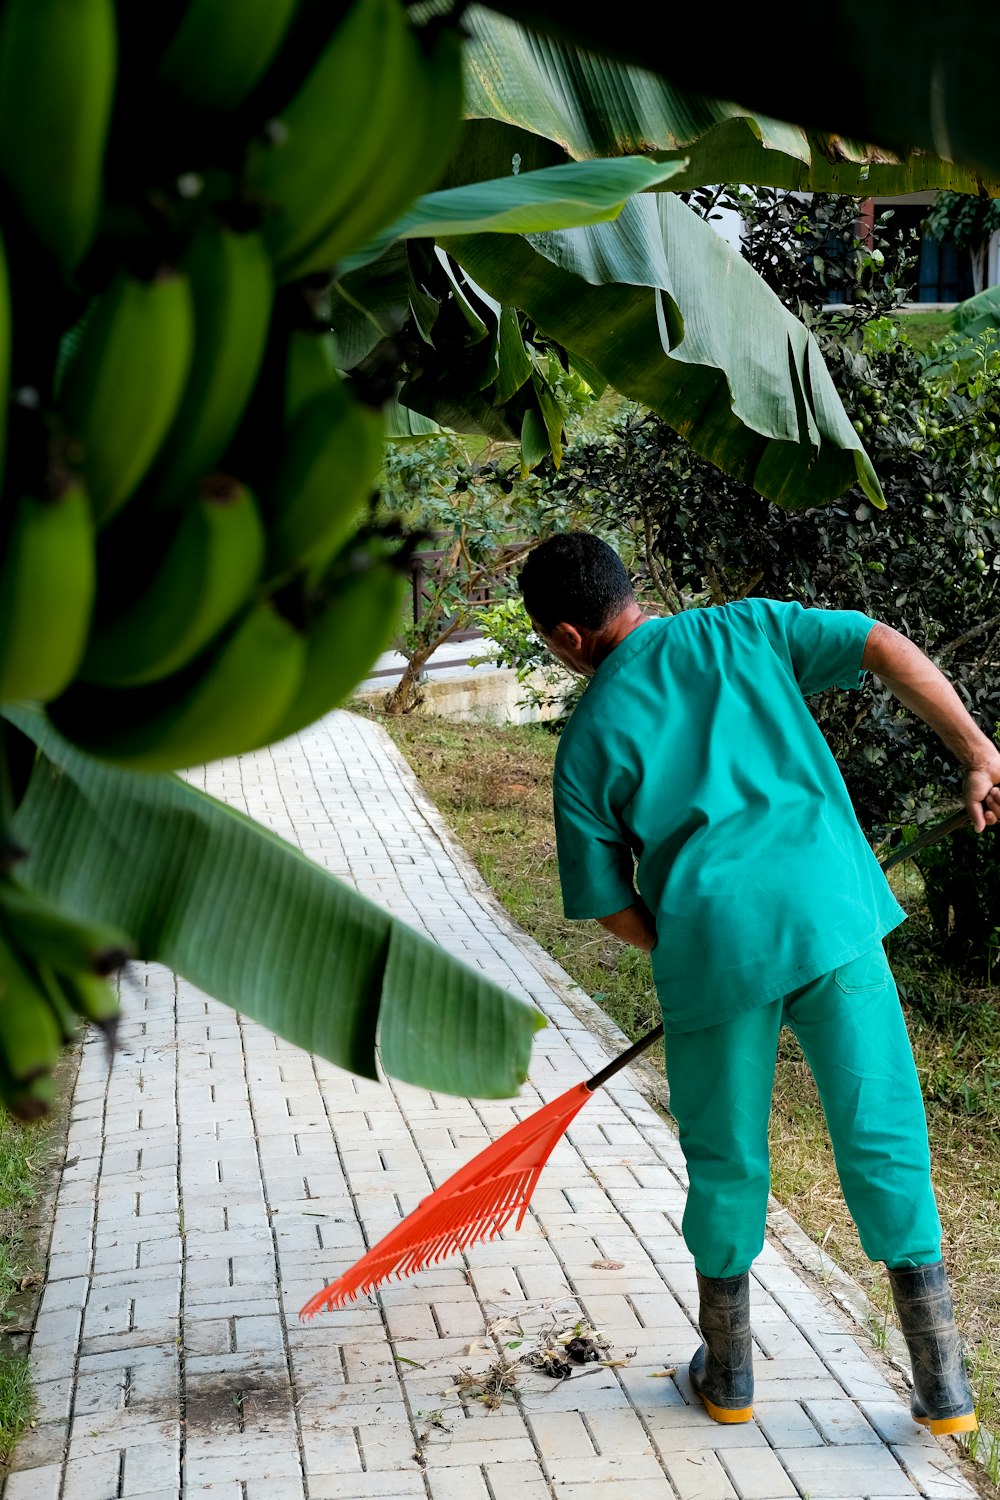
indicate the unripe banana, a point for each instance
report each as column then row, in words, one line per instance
column 427, row 125
column 121, row 391
column 225, row 703
column 332, row 139
column 45, row 933
column 221, row 48
column 93, row 999
column 354, row 625
column 5, row 344
column 30, row 1038
column 206, row 575
column 47, row 581
column 57, row 79
column 29, row 1101
column 66, row 1018
column 232, row 289
column 310, row 369
column 330, row 462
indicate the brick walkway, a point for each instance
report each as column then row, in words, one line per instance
column 217, row 1176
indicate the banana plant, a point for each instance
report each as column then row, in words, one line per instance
column 902, row 74
column 651, row 301
column 174, row 868
column 544, row 230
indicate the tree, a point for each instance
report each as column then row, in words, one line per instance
column 929, row 564
column 183, row 227
column 969, row 223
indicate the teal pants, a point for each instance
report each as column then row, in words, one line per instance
column 851, row 1029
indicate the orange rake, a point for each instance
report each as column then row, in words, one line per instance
column 481, row 1198
column 478, row 1200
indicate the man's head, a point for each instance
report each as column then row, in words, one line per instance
column 575, row 589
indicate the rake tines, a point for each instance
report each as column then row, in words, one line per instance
column 476, row 1203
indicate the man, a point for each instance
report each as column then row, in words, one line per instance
column 701, row 816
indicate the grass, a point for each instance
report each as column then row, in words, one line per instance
column 927, row 329
column 493, row 786
column 29, row 1156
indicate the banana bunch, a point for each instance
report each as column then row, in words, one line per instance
column 371, row 127
column 53, row 972
column 189, row 568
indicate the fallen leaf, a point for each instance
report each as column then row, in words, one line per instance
column 663, row 1374
column 502, row 1325
column 608, row 1265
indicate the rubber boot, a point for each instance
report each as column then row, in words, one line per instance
column 722, row 1369
column 942, row 1399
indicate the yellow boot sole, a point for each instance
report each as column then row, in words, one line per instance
column 941, row 1425
column 726, row 1414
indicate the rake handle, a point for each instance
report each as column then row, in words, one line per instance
column 940, row 830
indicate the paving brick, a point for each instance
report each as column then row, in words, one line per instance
column 42, row 1483
column 463, row 1482
column 274, row 1489
column 675, row 1432
column 829, row 1473
column 210, row 1469
column 42, row 1445
column 95, row 1478
column 932, row 1472
column 841, row 1422
column 605, row 1470
column 519, row 1481
column 150, row 1467
column 384, row 1485
column 699, row 1477
column 786, row 1424
column 561, row 1434
column 757, row 1474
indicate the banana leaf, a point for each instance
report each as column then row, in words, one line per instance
column 246, row 917
column 573, row 193
column 903, row 74
column 583, row 105
column 673, row 317
column 403, row 425
column 977, row 313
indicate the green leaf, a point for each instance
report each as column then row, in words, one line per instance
column 249, row 919
column 403, row 425
column 514, row 362
column 534, row 440
column 975, row 314
column 578, row 105
column 673, row 317
column 575, row 193
column 593, row 106
column 903, row 75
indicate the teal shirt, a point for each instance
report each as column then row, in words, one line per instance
column 693, row 764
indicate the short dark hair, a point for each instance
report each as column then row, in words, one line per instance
column 576, row 579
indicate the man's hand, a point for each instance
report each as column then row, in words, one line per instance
column 914, row 679
column 634, row 925
column 981, row 791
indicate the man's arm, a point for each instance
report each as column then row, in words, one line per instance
column 634, row 925
column 918, row 684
